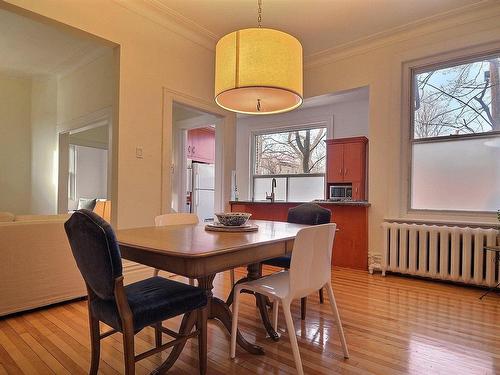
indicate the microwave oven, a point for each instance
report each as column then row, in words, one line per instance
column 341, row 192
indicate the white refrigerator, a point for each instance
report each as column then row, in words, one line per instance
column 203, row 185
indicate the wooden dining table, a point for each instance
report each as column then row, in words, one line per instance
column 194, row 252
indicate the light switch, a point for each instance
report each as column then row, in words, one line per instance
column 138, row 152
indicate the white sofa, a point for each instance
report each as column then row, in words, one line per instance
column 36, row 265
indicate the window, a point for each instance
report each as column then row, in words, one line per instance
column 455, row 136
column 296, row 159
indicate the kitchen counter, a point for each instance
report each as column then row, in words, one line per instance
column 350, row 248
column 345, row 203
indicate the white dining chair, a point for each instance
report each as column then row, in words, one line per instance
column 310, row 270
column 180, row 219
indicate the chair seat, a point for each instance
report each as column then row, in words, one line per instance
column 151, row 300
column 283, row 262
column 276, row 285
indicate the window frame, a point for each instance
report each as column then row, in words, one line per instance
column 72, row 191
column 410, row 70
column 283, row 129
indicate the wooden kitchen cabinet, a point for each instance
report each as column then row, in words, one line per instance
column 335, row 162
column 346, row 163
column 354, row 161
column 201, row 145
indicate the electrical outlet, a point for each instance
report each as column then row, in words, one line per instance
column 138, row 152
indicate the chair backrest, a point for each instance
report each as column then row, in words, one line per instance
column 309, row 214
column 95, row 250
column 310, row 267
column 176, row 219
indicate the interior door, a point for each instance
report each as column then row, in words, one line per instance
column 335, row 163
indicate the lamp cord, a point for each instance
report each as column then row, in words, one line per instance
column 259, row 12
column 259, row 20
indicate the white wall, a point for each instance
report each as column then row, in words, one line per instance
column 152, row 57
column 85, row 90
column 44, row 146
column 379, row 65
column 32, row 112
column 345, row 119
column 86, row 96
column 91, row 174
column 15, row 141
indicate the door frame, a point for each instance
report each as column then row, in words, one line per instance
column 225, row 147
column 95, row 120
column 180, row 135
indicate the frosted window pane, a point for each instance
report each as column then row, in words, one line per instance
column 304, row 189
column 457, row 175
column 263, row 185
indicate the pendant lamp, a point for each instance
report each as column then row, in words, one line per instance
column 258, row 71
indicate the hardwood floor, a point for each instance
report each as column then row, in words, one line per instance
column 393, row 325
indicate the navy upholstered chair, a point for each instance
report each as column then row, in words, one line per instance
column 129, row 309
column 309, row 214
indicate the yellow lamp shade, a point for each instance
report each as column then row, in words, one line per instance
column 258, row 71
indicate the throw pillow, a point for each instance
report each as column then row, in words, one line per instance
column 86, row 203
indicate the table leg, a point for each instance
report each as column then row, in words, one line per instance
column 187, row 324
column 218, row 309
column 255, row 272
column 230, row 298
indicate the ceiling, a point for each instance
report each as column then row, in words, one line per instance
column 357, row 94
column 319, row 24
column 29, row 47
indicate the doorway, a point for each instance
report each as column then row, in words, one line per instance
column 84, row 167
column 194, row 161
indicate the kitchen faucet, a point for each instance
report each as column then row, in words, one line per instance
column 273, row 186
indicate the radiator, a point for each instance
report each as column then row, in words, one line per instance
column 440, row 252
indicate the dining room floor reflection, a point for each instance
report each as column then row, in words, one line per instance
column 393, row 325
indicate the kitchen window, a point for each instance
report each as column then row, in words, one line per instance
column 296, row 158
column 455, row 136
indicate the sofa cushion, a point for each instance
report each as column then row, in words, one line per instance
column 86, row 203
column 6, row 217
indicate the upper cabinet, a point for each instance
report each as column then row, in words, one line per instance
column 201, row 145
column 334, row 162
column 346, row 163
column 354, row 161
